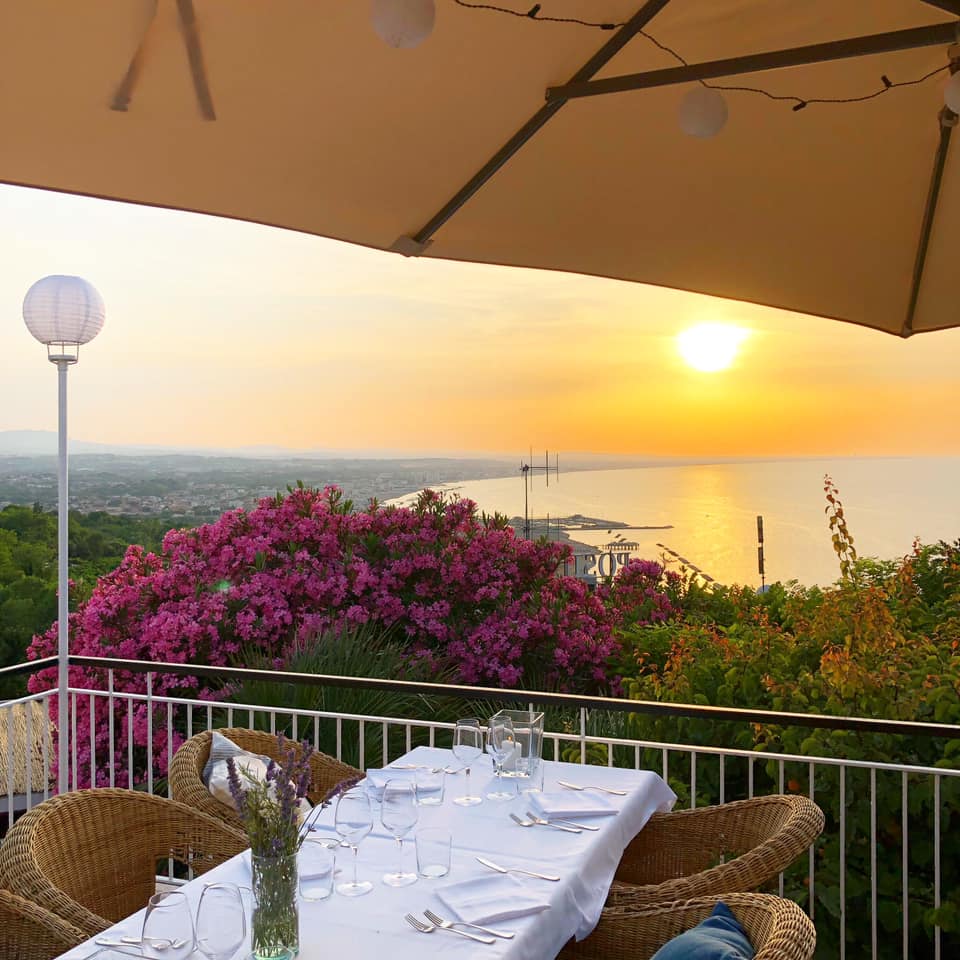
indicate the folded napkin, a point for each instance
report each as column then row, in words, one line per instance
column 377, row 780
column 570, row 803
column 489, row 899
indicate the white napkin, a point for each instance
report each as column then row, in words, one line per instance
column 570, row 803
column 377, row 780
column 489, row 899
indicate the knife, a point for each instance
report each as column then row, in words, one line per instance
column 529, row 873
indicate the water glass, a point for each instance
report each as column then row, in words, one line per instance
column 167, row 928
column 433, row 853
column 429, row 782
column 353, row 820
column 533, row 781
column 316, row 867
column 398, row 814
column 221, row 921
column 502, row 744
column 467, row 747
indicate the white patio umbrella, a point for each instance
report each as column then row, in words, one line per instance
column 511, row 140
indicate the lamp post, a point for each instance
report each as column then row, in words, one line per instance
column 63, row 313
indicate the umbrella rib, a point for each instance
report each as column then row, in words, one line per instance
column 948, row 6
column 191, row 36
column 124, row 94
column 418, row 242
column 911, row 38
column 948, row 119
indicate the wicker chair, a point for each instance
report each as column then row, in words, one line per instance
column 731, row 848
column 91, row 856
column 778, row 929
column 32, row 933
column 188, row 763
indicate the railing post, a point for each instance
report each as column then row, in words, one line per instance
column 583, row 734
column 113, row 776
column 149, row 733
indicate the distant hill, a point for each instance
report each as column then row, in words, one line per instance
column 41, row 443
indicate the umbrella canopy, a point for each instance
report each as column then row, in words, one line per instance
column 499, row 139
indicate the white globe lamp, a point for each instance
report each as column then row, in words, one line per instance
column 403, row 23
column 951, row 93
column 703, row 112
column 63, row 313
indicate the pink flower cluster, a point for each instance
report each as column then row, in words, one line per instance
column 641, row 593
column 462, row 587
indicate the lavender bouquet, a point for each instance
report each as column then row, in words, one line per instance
column 271, row 813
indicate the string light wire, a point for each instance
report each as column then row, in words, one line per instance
column 799, row 103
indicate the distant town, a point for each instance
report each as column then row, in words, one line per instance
column 203, row 487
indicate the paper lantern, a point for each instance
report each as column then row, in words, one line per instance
column 951, row 93
column 403, row 23
column 63, row 310
column 703, row 112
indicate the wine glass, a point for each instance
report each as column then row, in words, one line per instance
column 167, row 928
column 398, row 813
column 221, row 924
column 353, row 820
column 467, row 747
column 503, row 745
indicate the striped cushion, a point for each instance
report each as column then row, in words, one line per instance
column 220, row 749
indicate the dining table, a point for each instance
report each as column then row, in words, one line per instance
column 374, row 925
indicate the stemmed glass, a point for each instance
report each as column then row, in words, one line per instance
column 467, row 747
column 353, row 820
column 221, row 923
column 502, row 744
column 398, row 813
column 167, row 928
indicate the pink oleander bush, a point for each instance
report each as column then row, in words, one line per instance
column 460, row 586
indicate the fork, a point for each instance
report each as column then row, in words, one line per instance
column 558, row 820
column 421, row 766
column 544, row 823
column 137, row 942
column 450, row 924
column 576, row 786
column 418, row 924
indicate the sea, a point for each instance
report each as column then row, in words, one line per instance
column 707, row 513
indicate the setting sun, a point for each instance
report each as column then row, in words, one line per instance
column 710, row 347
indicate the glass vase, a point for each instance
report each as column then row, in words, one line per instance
column 275, row 927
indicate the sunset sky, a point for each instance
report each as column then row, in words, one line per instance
column 225, row 334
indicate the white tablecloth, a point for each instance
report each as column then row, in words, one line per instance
column 372, row 927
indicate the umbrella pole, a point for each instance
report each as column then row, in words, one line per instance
column 948, row 120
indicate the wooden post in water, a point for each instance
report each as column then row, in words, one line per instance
column 763, row 582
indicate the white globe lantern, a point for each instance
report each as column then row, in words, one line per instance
column 63, row 313
column 703, row 112
column 403, row 23
column 951, row 93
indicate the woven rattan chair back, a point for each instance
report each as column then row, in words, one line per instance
column 92, row 856
column 28, row 932
column 187, row 766
column 778, row 929
column 733, row 847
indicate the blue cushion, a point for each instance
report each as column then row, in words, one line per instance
column 719, row 937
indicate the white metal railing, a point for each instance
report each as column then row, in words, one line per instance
column 703, row 773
